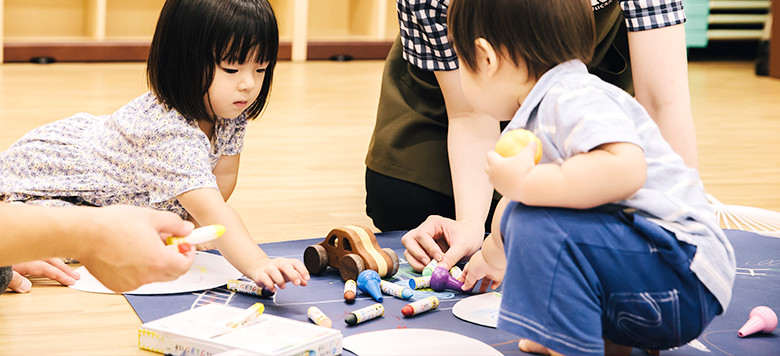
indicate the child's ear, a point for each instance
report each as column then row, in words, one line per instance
column 487, row 58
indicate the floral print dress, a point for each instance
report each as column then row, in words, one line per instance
column 143, row 155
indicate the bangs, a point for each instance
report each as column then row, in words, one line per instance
column 191, row 39
column 246, row 38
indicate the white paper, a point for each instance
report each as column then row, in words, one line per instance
column 415, row 342
column 480, row 309
column 207, row 271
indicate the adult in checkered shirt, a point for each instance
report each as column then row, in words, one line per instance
column 426, row 159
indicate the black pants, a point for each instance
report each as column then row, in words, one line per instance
column 394, row 204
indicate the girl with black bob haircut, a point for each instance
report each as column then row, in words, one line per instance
column 194, row 36
column 176, row 148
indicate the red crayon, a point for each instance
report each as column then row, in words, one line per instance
column 420, row 306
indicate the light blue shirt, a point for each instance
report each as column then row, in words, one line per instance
column 573, row 112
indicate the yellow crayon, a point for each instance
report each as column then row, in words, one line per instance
column 247, row 316
column 318, row 317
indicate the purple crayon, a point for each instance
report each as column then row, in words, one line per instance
column 441, row 280
column 368, row 282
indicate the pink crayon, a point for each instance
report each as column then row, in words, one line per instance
column 368, row 282
column 761, row 319
column 441, row 280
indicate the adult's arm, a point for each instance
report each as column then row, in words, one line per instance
column 660, row 71
column 470, row 136
column 122, row 246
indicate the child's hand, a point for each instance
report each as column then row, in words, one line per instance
column 477, row 269
column 52, row 268
column 278, row 271
column 507, row 174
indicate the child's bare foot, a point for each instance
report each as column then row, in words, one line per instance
column 529, row 346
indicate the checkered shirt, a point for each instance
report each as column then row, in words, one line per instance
column 644, row 15
column 423, row 26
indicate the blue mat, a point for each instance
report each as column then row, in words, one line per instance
column 758, row 283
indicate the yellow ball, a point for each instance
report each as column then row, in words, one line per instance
column 514, row 141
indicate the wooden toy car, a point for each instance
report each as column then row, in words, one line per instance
column 351, row 250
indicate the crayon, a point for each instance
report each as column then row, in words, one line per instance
column 318, row 317
column 235, row 285
column 368, row 282
column 428, row 270
column 420, row 306
column 367, row 313
column 420, row 282
column 247, row 316
column 199, row 235
column 395, row 290
column 455, row 271
column 350, row 290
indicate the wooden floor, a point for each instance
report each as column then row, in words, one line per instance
column 302, row 167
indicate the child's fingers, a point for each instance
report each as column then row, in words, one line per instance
column 469, row 280
column 265, row 280
column 301, row 268
column 290, row 274
column 276, row 275
column 483, row 287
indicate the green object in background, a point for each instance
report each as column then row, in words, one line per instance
column 697, row 13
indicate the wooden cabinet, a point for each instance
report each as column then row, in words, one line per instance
column 120, row 30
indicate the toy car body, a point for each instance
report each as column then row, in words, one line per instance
column 351, row 250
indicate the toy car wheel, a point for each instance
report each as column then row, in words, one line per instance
column 316, row 259
column 394, row 268
column 350, row 266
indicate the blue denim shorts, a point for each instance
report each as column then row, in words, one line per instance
column 577, row 277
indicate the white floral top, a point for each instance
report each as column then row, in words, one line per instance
column 143, row 155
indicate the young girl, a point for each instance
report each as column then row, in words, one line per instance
column 177, row 147
column 609, row 242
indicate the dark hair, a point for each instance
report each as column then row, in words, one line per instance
column 544, row 33
column 193, row 36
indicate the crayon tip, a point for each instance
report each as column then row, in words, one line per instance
column 349, row 296
column 350, row 319
column 407, row 310
column 219, row 230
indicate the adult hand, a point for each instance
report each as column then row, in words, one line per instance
column 52, row 268
column 124, row 247
column 445, row 240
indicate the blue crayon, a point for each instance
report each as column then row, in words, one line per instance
column 368, row 282
column 420, row 282
column 395, row 290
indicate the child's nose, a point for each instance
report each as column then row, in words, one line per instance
column 247, row 82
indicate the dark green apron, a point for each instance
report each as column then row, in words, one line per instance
column 410, row 137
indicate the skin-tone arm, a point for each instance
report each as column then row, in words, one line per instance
column 122, row 246
column 489, row 263
column 470, row 135
column 660, row 70
column 226, row 172
column 608, row 173
column 208, row 207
